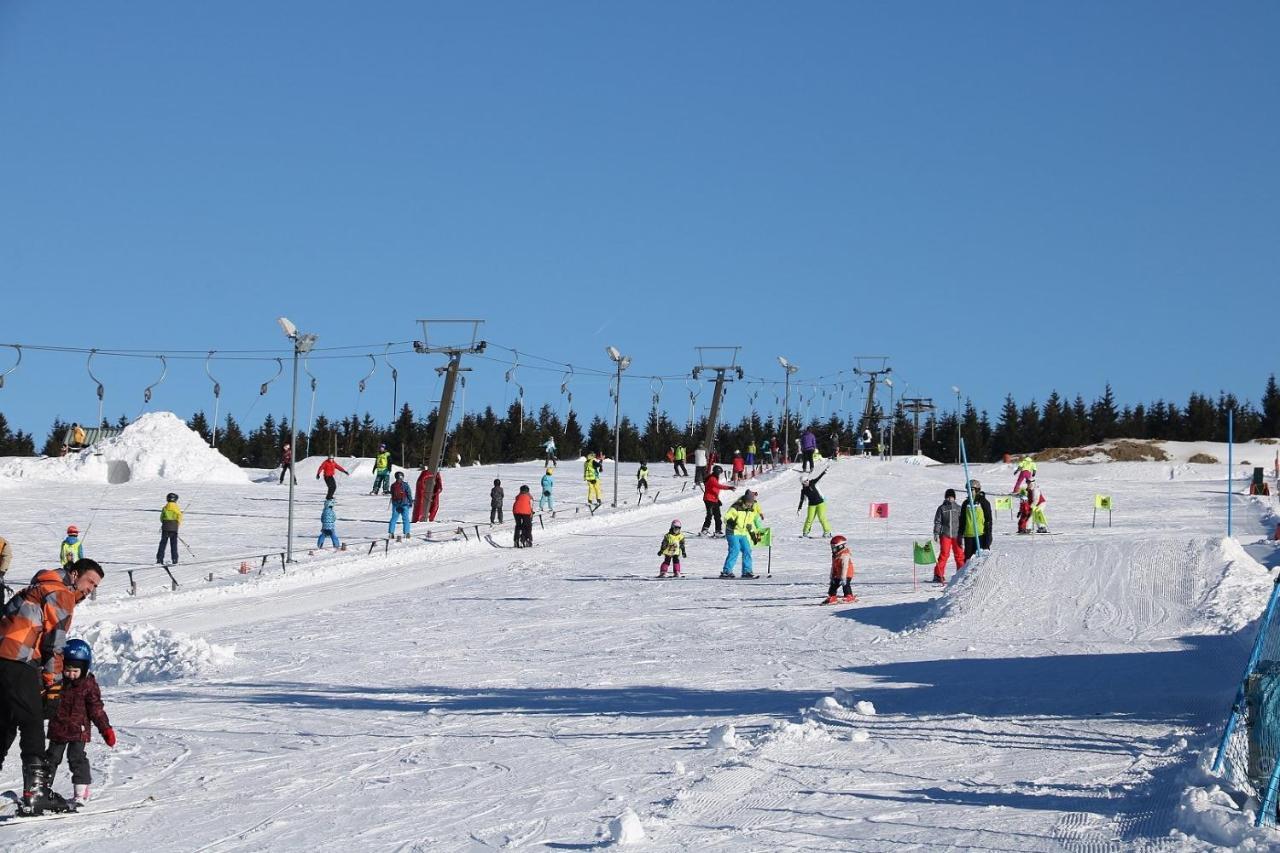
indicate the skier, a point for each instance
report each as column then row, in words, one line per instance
column 739, row 466
column 328, row 526
column 548, row 483
column 642, row 479
column 1026, row 471
column 549, row 452
column 522, row 513
column 496, row 494
column 72, row 549
column 326, row 470
column 979, row 536
column 711, row 500
column 742, row 522
column 948, row 519
column 286, row 464
column 681, row 457
column 170, row 521
column 671, row 550
column 699, row 464
column 1031, row 508
column 841, row 571
column 401, row 503
column 591, row 474
column 33, row 630
column 774, row 450
column 382, row 471
column 866, row 442
column 817, row 506
column 750, row 458
column 437, row 487
column 80, row 705
column 859, row 446
column 808, row 444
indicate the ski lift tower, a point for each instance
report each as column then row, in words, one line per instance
column 866, row 365
column 916, row 405
column 724, row 361
column 447, row 337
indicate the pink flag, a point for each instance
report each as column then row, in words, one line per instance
column 879, row 511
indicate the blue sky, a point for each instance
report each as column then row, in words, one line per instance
column 1004, row 196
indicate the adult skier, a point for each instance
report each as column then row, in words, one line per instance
column 742, row 525
column 948, row 520
column 382, row 471
column 286, row 463
column 549, row 452
column 681, row 457
column 808, row 444
column 326, row 470
column 522, row 515
column 170, row 521
column 711, row 500
column 817, row 505
column 699, row 464
column 33, row 631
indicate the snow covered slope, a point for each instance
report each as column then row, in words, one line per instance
column 1054, row 696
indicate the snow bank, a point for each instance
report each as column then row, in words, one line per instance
column 157, row 446
column 1211, row 815
column 723, row 737
column 626, row 828
column 127, row 654
column 1242, row 592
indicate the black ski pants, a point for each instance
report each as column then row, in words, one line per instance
column 332, row 484
column 170, row 536
column 287, row 468
column 22, row 708
column 495, row 513
column 713, row 512
column 835, row 585
column 681, row 471
column 77, row 760
column 524, row 530
column 699, row 474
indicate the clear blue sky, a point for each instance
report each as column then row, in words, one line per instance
column 1006, row 196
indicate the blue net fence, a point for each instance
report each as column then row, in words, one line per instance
column 1249, row 754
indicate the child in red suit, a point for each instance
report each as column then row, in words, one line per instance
column 841, row 571
column 80, row 705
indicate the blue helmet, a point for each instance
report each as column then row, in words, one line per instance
column 77, row 653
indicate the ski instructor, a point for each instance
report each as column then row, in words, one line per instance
column 33, row 630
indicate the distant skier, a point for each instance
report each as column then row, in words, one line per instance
column 437, row 488
column 750, row 458
column 699, row 464
column 841, row 571
column 382, row 471
column 1026, row 471
column 738, row 466
column 948, row 520
column 6, row 557
column 859, row 446
column 808, row 444
column 977, row 524
column 326, row 470
column 642, row 478
column 80, row 706
column 496, row 496
column 671, row 550
column 401, row 504
column 72, row 549
column 1031, row 508
column 742, row 526
column 548, row 483
column 170, row 521
column 817, row 506
column 681, row 457
column 522, row 513
column 328, row 526
column 286, row 464
column 549, row 452
column 591, row 474
column 711, row 501
column 866, row 442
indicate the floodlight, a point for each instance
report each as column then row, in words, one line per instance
column 290, row 330
column 613, row 353
column 955, row 388
column 783, row 362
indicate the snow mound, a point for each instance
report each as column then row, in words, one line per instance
column 1242, row 592
column 862, row 707
column 859, row 735
column 157, row 446
column 723, row 737
column 810, row 731
column 827, row 703
column 626, row 828
column 127, row 654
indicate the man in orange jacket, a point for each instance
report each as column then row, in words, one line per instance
column 522, row 513
column 33, row 630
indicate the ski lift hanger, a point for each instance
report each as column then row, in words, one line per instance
column 17, row 347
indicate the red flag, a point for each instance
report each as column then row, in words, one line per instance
column 879, row 511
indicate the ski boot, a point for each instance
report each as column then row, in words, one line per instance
column 36, row 796
column 662, row 573
column 748, row 576
column 831, row 599
column 1042, row 529
column 676, row 573
column 850, row 598
column 826, row 534
column 726, row 575
column 79, row 798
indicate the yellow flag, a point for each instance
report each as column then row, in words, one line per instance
column 1103, row 502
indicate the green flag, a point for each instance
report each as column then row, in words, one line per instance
column 924, row 553
column 766, row 537
column 1103, row 502
column 1005, row 502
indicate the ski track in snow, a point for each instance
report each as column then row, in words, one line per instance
column 457, row 697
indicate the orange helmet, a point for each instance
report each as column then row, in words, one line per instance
column 72, row 530
column 838, row 543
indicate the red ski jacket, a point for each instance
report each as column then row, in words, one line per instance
column 81, row 704
column 712, row 491
column 327, row 467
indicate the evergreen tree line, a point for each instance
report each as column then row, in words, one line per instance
column 520, row 433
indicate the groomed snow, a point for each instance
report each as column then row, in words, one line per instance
column 1061, row 693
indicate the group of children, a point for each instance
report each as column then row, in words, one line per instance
column 521, row 509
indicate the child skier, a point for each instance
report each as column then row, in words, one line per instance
column 81, row 704
column 522, row 512
column 642, row 478
column 947, row 523
column 401, row 504
column 382, row 471
column 328, row 525
column 817, row 505
column 548, row 482
column 496, row 494
column 751, row 458
column 170, row 520
column 841, row 571
column 327, row 467
column 671, row 550
column 591, row 474
column 1031, row 508
column 739, row 466
column 71, row 549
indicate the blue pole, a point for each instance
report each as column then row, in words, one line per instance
column 1230, row 462
column 1237, row 707
column 973, row 509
